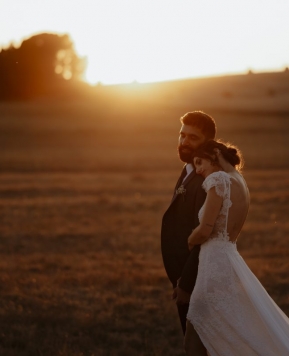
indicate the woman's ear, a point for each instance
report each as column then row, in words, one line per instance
column 217, row 151
column 214, row 158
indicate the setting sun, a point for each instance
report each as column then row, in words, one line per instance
column 126, row 41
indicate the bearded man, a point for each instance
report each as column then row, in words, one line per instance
column 181, row 217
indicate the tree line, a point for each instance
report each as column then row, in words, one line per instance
column 44, row 65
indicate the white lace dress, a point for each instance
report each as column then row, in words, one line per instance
column 229, row 308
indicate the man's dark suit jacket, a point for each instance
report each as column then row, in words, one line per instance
column 178, row 222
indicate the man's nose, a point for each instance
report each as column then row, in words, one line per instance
column 185, row 141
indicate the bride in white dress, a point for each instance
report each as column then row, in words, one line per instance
column 229, row 308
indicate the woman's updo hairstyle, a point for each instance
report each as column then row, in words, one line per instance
column 231, row 153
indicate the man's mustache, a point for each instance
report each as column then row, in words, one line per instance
column 185, row 153
column 185, row 148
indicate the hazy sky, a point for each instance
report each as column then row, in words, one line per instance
column 152, row 40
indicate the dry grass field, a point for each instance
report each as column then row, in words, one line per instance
column 83, row 186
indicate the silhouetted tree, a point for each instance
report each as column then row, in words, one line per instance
column 39, row 66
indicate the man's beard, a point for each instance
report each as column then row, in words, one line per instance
column 185, row 156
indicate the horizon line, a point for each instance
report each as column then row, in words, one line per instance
column 249, row 71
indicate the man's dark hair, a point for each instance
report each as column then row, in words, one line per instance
column 202, row 121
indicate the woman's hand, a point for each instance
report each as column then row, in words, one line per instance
column 190, row 241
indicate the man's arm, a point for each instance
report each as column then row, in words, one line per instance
column 190, row 270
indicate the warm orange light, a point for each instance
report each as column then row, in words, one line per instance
column 135, row 40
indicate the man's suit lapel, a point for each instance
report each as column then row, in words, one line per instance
column 182, row 176
column 186, row 181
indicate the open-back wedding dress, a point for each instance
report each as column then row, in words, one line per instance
column 229, row 308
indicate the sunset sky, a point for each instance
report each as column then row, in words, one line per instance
column 155, row 40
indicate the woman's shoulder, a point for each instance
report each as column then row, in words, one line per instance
column 216, row 179
column 218, row 176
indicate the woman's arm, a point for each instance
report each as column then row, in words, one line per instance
column 212, row 207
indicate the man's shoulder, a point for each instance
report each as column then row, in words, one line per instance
column 197, row 180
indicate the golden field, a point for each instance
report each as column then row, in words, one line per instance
column 84, row 184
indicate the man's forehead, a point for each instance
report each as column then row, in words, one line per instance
column 193, row 130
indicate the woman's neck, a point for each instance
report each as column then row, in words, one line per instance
column 226, row 166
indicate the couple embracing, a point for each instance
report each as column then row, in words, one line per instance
column 223, row 308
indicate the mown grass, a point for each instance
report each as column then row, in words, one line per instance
column 83, row 189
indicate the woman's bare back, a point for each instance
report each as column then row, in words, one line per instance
column 240, row 199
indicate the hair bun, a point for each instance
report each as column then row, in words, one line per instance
column 235, row 159
column 232, row 150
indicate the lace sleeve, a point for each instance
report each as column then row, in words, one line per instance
column 220, row 180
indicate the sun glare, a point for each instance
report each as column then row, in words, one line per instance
column 132, row 40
